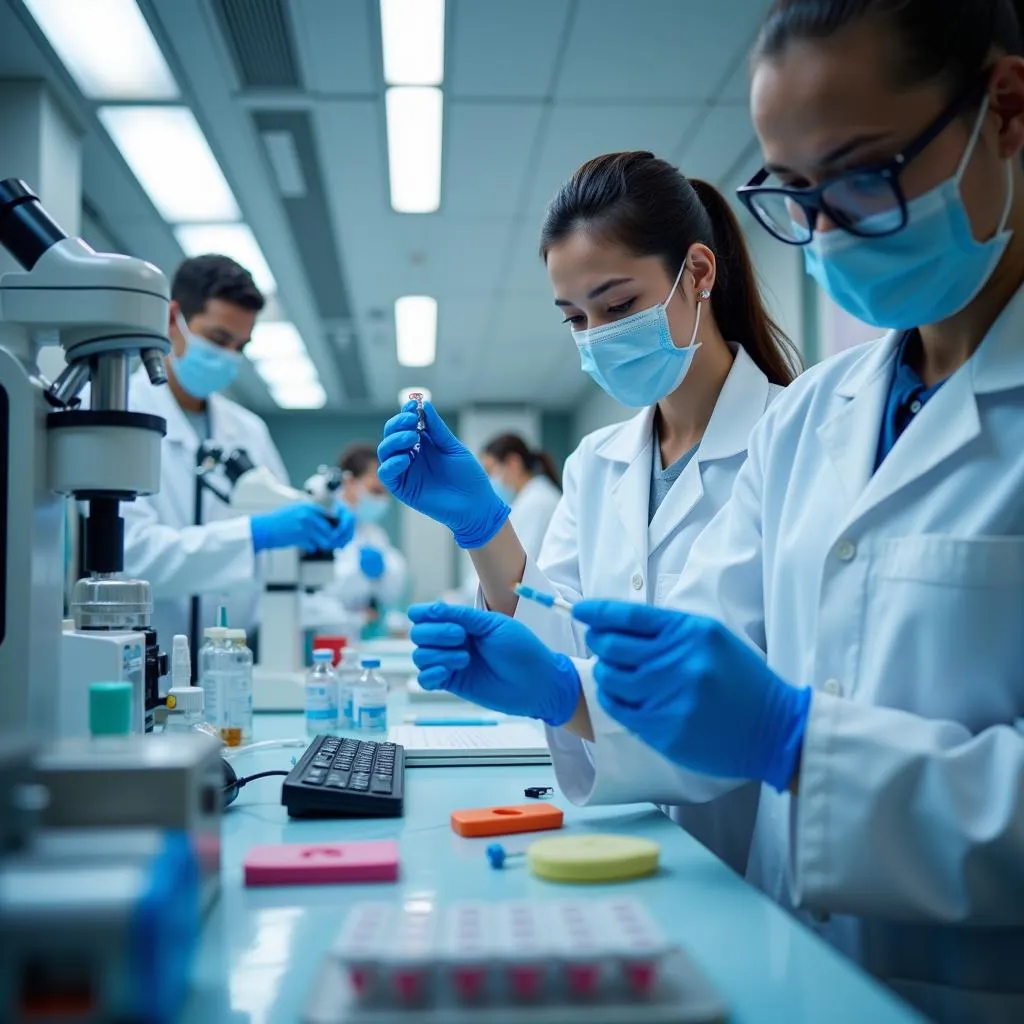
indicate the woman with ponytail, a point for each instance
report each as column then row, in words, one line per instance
column 652, row 278
column 528, row 481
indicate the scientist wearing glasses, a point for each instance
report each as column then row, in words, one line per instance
column 850, row 632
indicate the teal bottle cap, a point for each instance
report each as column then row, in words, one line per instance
column 110, row 709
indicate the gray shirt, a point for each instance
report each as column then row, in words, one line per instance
column 662, row 479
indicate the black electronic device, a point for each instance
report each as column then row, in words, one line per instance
column 346, row 778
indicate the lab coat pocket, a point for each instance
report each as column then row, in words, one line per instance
column 944, row 632
column 665, row 585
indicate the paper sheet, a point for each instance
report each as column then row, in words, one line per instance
column 507, row 737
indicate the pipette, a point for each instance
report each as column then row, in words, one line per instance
column 552, row 601
column 421, row 423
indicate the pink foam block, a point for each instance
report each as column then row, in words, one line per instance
column 322, row 863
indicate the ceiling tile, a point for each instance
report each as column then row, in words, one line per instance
column 658, row 50
column 578, row 133
column 712, row 150
column 339, row 46
column 503, row 49
column 486, row 154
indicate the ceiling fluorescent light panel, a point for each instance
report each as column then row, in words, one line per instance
column 414, row 122
column 299, row 396
column 416, row 330
column 275, row 339
column 107, row 48
column 168, row 153
column 234, row 240
column 412, row 37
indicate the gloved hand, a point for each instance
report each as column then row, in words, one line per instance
column 371, row 563
column 694, row 692
column 494, row 661
column 303, row 526
column 443, row 480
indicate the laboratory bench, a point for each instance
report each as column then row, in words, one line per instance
column 262, row 948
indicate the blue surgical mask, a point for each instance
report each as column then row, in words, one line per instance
column 923, row 274
column 371, row 508
column 502, row 489
column 634, row 359
column 205, row 368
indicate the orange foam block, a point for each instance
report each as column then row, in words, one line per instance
column 503, row 821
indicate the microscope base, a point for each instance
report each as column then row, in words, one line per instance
column 98, row 656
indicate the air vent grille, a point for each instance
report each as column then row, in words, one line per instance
column 259, row 36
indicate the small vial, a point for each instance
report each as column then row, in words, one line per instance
column 421, row 423
column 321, row 695
column 523, row 947
column 467, row 947
column 370, row 699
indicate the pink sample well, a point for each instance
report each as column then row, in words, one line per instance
column 322, row 863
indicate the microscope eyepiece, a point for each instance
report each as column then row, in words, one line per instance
column 26, row 229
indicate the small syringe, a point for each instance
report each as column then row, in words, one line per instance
column 552, row 601
column 421, row 423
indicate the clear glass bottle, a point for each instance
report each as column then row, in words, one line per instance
column 236, row 715
column 370, row 699
column 211, row 673
column 348, row 672
column 321, row 695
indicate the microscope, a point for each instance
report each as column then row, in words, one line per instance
column 104, row 310
column 108, row 845
column 286, row 573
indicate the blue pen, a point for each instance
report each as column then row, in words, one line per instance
column 453, row 721
column 552, row 601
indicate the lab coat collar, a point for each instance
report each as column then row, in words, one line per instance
column 998, row 364
column 160, row 401
column 742, row 402
column 630, row 439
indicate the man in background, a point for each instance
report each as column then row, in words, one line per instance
column 193, row 548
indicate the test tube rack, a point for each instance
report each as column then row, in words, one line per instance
column 519, row 962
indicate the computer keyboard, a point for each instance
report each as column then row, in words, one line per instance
column 346, row 778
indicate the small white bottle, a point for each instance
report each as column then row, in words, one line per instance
column 185, row 703
column 321, row 695
column 348, row 672
column 370, row 699
column 236, row 714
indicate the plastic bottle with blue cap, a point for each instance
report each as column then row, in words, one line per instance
column 370, row 699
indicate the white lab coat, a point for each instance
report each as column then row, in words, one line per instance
column 161, row 543
column 532, row 510
column 530, row 514
column 599, row 544
column 899, row 597
column 351, row 590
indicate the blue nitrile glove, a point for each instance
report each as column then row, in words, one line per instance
column 494, row 661
column 304, row 526
column 694, row 692
column 442, row 480
column 371, row 563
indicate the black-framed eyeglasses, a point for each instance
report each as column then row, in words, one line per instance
column 866, row 201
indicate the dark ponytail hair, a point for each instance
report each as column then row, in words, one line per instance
column 936, row 40
column 649, row 207
column 504, row 445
